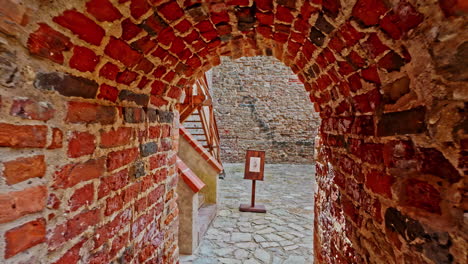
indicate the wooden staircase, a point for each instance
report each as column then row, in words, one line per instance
column 197, row 116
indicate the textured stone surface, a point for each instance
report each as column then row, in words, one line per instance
column 260, row 104
column 282, row 235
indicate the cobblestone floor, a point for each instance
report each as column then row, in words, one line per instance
column 282, row 235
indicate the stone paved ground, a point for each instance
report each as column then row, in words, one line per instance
column 282, row 235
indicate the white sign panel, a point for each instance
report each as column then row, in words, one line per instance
column 254, row 165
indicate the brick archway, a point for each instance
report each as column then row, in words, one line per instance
column 102, row 80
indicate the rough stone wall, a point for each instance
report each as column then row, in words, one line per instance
column 94, row 179
column 260, row 104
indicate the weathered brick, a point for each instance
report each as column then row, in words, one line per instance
column 121, row 158
column 400, row 123
column 81, row 143
column 148, row 149
column 14, row 205
column 113, row 183
column 22, row 169
column 84, row 59
column 72, row 255
column 369, row 11
column 108, row 92
column 171, row 10
column 433, row 162
column 121, row 51
column 57, row 139
column 72, row 228
column 134, row 115
column 71, row 174
column 401, row 19
column 48, row 43
column 82, row 196
column 380, row 183
column 81, row 25
column 126, row 77
column 25, row 236
column 139, row 99
column 66, row 84
column 81, row 112
column 139, row 8
column 23, row 136
column 103, row 10
column 391, row 62
column 29, row 109
column 114, row 204
column 109, row 71
column 421, row 195
column 113, row 138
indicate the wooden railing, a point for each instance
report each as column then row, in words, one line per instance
column 198, row 97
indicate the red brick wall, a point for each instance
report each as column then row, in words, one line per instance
column 89, row 92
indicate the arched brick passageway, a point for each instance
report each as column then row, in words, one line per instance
column 89, row 98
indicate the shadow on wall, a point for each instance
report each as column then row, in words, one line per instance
column 261, row 104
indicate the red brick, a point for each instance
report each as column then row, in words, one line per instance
column 80, row 144
column 14, row 205
column 107, row 231
column 113, row 183
column 126, row 77
column 82, row 196
column 48, row 43
column 22, row 169
column 109, row 71
column 107, row 92
column 121, row 51
column 158, row 101
column 391, row 62
column 401, row 19
column 81, row 112
column 336, row 44
column 72, row 256
column 284, row 14
column 57, row 139
column 145, row 66
column 81, row 25
column 83, row 59
column 368, row 102
column 129, row 29
column 453, row 7
column 219, row 17
column 29, row 109
column 356, row 60
column 371, row 74
column 22, row 136
column 145, row 44
column 183, row 26
column 171, row 10
column 113, row 138
column 72, row 228
column 369, row 11
column 434, row 162
column 143, row 82
column 265, row 5
column 121, row 158
column 421, row 195
column 114, row 204
column 25, row 236
column 72, row 174
column 158, row 161
column 139, row 8
column 350, row 35
column 103, row 10
column 374, row 45
column 380, row 183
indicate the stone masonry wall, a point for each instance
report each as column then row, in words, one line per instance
column 260, row 104
column 89, row 113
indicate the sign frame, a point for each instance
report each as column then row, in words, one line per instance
column 254, row 171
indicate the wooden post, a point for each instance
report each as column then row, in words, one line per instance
column 254, row 172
